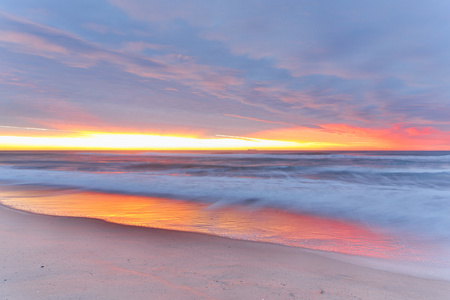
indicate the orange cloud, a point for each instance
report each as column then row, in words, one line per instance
column 346, row 137
column 328, row 137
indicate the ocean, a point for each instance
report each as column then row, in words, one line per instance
column 375, row 204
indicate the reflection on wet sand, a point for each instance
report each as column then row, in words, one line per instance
column 256, row 224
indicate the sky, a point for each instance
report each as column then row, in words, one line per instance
column 288, row 74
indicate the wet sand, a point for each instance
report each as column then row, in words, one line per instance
column 51, row 257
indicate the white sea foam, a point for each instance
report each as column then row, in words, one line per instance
column 417, row 209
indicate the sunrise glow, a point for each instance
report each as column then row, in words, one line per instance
column 108, row 141
column 330, row 137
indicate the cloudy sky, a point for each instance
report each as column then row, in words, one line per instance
column 323, row 74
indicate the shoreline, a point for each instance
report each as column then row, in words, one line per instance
column 48, row 256
column 404, row 267
column 260, row 224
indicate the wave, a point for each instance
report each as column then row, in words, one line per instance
column 420, row 175
column 380, row 155
column 419, row 209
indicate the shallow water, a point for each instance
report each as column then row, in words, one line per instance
column 239, row 222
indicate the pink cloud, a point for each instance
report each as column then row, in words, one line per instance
column 424, row 131
column 258, row 120
column 215, row 81
column 11, row 79
column 31, row 44
column 343, row 136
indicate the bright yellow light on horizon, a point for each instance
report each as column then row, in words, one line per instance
column 110, row 141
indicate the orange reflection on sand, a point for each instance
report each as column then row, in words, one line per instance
column 264, row 225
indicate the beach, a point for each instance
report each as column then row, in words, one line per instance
column 52, row 257
column 224, row 150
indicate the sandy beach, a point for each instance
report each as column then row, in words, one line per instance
column 51, row 257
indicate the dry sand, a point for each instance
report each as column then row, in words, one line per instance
column 49, row 257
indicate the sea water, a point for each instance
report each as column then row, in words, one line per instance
column 394, row 205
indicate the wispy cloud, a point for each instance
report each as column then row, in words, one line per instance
column 259, row 120
column 32, row 128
